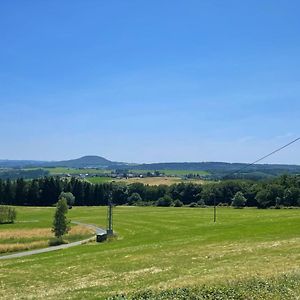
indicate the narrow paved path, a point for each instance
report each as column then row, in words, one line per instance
column 54, row 248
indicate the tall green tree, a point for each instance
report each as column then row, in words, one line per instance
column 21, row 192
column 33, row 195
column 78, row 192
column 8, row 193
column 61, row 225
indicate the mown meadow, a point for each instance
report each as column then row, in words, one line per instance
column 163, row 252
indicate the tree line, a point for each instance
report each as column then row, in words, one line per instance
column 281, row 191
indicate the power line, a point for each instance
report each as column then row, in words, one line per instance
column 262, row 158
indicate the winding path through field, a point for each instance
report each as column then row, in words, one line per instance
column 97, row 230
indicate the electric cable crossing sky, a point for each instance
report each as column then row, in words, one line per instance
column 251, row 164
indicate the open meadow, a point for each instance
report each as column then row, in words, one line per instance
column 158, row 249
column 166, row 180
column 171, row 172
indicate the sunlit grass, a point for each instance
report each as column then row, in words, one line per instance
column 159, row 249
column 97, row 180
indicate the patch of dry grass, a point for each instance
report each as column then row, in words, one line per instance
column 12, row 240
column 40, row 232
column 80, row 230
column 7, row 248
column 24, row 233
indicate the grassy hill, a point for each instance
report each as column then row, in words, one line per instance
column 162, row 249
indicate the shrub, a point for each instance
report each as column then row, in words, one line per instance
column 134, row 199
column 166, row 200
column 221, row 204
column 56, row 241
column 178, row 203
column 201, row 203
column 7, row 214
column 238, row 201
column 193, row 204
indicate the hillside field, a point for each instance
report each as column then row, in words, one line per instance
column 159, row 180
column 75, row 171
column 158, row 249
column 145, row 180
column 172, row 172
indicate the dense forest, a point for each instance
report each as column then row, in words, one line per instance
column 282, row 191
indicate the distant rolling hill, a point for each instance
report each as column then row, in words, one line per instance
column 90, row 161
column 216, row 169
column 6, row 163
column 223, row 169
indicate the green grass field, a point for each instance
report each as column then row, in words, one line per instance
column 161, row 249
column 96, row 180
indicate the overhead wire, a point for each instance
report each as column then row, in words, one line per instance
column 260, row 159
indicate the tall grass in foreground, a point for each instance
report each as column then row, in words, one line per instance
column 284, row 287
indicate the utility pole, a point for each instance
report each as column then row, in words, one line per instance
column 109, row 227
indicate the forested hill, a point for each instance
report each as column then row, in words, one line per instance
column 90, row 161
column 6, row 163
column 203, row 166
column 223, row 168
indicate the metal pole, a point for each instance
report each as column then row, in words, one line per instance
column 109, row 229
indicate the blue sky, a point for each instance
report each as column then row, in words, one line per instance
column 148, row 81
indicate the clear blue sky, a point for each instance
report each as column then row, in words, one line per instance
column 148, row 81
